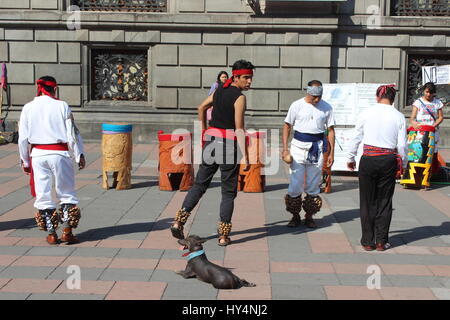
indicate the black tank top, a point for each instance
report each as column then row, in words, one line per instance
column 223, row 112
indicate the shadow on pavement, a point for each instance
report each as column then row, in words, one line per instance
column 17, row 224
column 275, row 187
column 344, row 186
column 279, row 227
column 147, row 184
column 107, row 232
column 420, row 233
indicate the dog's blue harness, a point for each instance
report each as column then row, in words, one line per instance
column 195, row 254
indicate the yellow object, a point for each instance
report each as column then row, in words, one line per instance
column 416, row 169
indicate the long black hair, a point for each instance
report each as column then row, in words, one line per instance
column 430, row 86
column 220, row 74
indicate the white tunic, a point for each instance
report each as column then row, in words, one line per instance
column 381, row 126
column 307, row 118
column 47, row 121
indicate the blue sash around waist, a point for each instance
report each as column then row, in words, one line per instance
column 313, row 154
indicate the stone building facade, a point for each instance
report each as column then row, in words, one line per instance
column 151, row 62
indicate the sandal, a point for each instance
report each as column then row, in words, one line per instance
column 177, row 232
column 226, row 240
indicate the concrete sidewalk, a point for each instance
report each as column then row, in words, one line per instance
column 127, row 252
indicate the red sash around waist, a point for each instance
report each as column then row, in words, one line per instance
column 373, row 151
column 54, row 146
column 220, row 133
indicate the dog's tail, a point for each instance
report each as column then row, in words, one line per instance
column 245, row 283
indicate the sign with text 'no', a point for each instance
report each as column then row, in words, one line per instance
column 436, row 74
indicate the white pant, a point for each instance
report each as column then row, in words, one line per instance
column 299, row 167
column 45, row 168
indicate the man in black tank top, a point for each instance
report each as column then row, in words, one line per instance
column 224, row 145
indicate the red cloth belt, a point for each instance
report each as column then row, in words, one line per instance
column 55, row 146
column 423, row 127
column 220, row 133
column 238, row 72
column 372, row 151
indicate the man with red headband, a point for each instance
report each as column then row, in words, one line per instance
column 223, row 148
column 47, row 124
column 310, row 117
column 382, row 130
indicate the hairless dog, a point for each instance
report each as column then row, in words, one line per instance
column 199, row 267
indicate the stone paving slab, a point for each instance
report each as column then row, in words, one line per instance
column 50, row 296
column 125, row 275
column 95, row 252
column 26, row 272
column 127, row 252
column 63, row 273
column 140, row 253
column 198, row 289
column 14, row 296
column 123, row 290
column 304, row 279
column 414, row 281
column 170, row 276
column 297, row 292
column 50, row 251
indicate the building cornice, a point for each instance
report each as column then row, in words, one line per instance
column 220, row 22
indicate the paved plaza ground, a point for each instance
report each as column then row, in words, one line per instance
column 127, row 252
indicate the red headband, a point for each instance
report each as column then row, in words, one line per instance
column 383, row 89
column 41, row 83
column 238, row 72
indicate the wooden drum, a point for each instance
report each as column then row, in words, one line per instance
column 254, row 180
column 176, row 171
column 117, row 149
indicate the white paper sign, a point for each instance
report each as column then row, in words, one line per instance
column 436, row 74
column 342, row 140
column 349, row 100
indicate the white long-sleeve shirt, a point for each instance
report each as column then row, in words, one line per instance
column 381, row 126
column 47, row 121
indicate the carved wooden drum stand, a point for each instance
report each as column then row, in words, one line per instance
column 117, row 149
column 176, row 171
column 254, row 180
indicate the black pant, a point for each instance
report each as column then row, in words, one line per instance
column 376, row 188
column 217, row 154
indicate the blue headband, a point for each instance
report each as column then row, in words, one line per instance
column 314, row 90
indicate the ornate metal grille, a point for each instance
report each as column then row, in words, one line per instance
column 122, row 5
column 119, row 75
column 415, row 64
column 421, row 7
